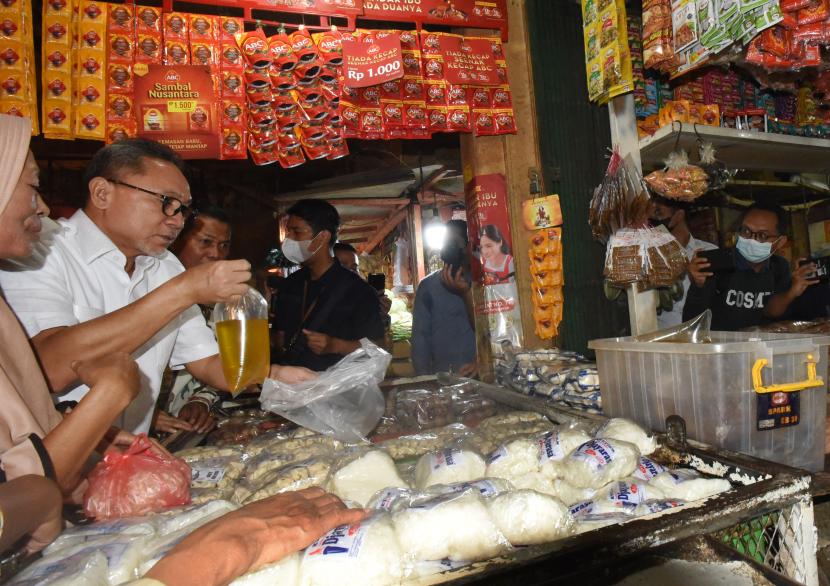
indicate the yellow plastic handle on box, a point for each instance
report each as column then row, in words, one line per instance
column 811, row 382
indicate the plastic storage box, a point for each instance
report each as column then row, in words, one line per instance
column 711, row 386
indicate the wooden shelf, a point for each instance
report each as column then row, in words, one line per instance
column 742, row 149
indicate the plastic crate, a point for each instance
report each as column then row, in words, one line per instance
column 711, row 387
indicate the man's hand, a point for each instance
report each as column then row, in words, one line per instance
column 117, row 371
column 260, row 533
column 697, row 270
column 385, row 303
column 291, row 374
column 318, row 343
column 801, row 278
column 222, row 280
column 121, row 439
column 198, row 415
column 455, row 282
column 167, row 423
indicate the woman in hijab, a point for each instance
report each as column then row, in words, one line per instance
column 34, row 437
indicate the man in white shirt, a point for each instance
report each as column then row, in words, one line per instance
column 106, row 282
column 672, row 215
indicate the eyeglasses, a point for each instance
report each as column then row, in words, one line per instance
column 762, row 236
column 170, row 205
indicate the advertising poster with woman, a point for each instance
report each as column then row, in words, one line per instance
column 490, row 238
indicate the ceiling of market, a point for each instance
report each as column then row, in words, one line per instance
column 371, row 188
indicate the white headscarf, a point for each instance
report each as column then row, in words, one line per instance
column 15, row 134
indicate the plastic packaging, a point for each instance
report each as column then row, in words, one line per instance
column 297, row 476
column 137, row 481
column 628, row 431
column 554, row 446
column 688, row 485
column 359, row 475
column 88, row 568
column 694, row 331
column 244, row 346
column 81, row 534
column 457, row 527
column 344, row 402
column 364, row 553
column 679, row 180
column 419, row 444
column 514, row 459
column 122, row 555
column 651, row 256
column 620, row 201
column 526, row 517
column 448, row 466
column 600, row 461
column 647, row 469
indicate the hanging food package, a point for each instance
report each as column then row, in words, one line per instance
column 679, row 180
column 242, row 331
column 718, row 174
column 621, row 200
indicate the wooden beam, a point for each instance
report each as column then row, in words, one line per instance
column 417, row 243
column 357, row 229
column 369, row 201
column 362, row 218
column 383, row 230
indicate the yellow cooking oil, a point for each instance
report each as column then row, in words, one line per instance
column 245, row 351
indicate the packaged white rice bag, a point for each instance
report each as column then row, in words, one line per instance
column 657, row 506
column 555, row 446
column 486, row 487
column 688, row 485
column 448, row 466
column 628, row 431
column 457, row 527
column 81, row 534
column 85, row 568
column 600, row 461
column 513, row 459
column 122, row 554
column 526, row 517
column 647, row 469
column 364, row 553
column 358, row 478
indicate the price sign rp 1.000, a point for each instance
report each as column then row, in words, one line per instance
column 372, row 63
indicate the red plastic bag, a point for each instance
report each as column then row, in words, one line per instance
column 135, row 482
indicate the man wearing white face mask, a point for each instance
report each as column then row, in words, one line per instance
column 323, row 310
column 761, row 288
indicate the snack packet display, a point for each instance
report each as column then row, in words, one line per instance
column 621, row 200
column 650, row 256
column 679, row 180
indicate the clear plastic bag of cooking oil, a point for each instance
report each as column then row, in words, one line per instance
column 244, row 345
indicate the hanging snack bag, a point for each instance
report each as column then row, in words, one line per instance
column 242, row 332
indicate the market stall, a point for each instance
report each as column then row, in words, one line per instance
column 535, row 477
column 764, row 510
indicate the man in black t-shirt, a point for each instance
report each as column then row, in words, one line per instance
column 761, row 288
column 323, row 310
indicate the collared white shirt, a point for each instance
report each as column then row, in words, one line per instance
column 674, row 317
column 78, row 276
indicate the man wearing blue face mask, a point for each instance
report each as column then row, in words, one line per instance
column 760, row 288
column 323, row 310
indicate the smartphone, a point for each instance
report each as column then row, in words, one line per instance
column 822, row 272
column 377, row 281
column 720, row 259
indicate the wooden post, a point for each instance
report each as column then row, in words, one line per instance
column 515, row 156
column 417, row 242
